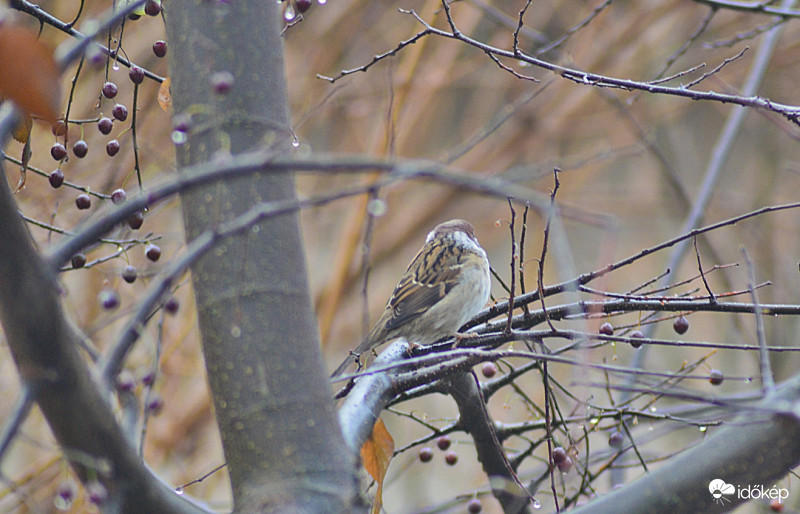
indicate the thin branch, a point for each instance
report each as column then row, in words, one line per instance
column 113, row 362
column 66, row 183
column 574, row 29
column 546, row 237
column 744, row 36
column 395, row 170
column 716, row 70
column 376, row 59
column 521, row 266
column 692, row 38
column 134, row 109
column 14, row 419
column 702, row 274
column 573, row 284
column 790, row 112
column 520, row 24
column 767, row 378
column 758, row 7
column 514, row 258
column 84, row 39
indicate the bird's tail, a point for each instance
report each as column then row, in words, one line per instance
column 360, row 351
column 344, row 365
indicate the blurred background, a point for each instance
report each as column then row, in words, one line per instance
column 631, row 165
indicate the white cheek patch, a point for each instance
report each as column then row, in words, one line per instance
column 462, row 239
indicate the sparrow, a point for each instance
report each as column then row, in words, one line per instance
column 446, row 284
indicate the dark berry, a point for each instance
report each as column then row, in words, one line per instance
column 109, row 299
column 112, row 147
column 119, row 196
column 559, row 455
column 80, row 148
column 302, row 6
column 160, row 48
column 125, row 382
column 425, row 454
column 78, row 260
column 489, row 369
column 152, row 8
column 443, row 442
column 171, row 305
column 615, row 439
column 149, row 378
column 565, row 465
column 680, row 325
column 97, row 492
column 129, row 274
column 95, row 56
column 109, row 90
column 56, row 178
column 135, row 220
column 67, row 490
column 120, row 112
column 83, row 201
column 155, row 404
column 58, row 151
column 474, row 506
column 451, row 458
column 136, row 74
column 152, row 252
column 181, row 123
column 105, row 125
column 59, row 128
column 606, row 329
column 636, row 334
column 222, row 82
column 715, row 377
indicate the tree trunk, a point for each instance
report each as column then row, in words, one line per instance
column 273, row 403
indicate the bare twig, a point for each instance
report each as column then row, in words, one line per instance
column 376, row 59
column 266, row 162
column 112, row 363
column 574, row 29
column 15, row 418
column 514, row 257
column 520, row 24
column 767, row 378
column 758, row 7
column 791, row 113
column 702, row 274
column 545, row 238
column 692, row 38
column 717, row 69
column 84, row 39
column 524, row 231
column 573, row 284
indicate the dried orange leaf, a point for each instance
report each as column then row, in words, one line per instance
column 28, row 72
column 23, row 130
column 164, row 96
column 376, row 454
column 26, row 159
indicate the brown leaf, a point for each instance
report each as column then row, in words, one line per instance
column 164, row 96
column 376, row 454
column 26, row 159
column 28, row 72
column 23, row 130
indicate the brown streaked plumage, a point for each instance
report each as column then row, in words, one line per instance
column 445, row 285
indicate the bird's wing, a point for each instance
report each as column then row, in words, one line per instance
column 432, row 273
